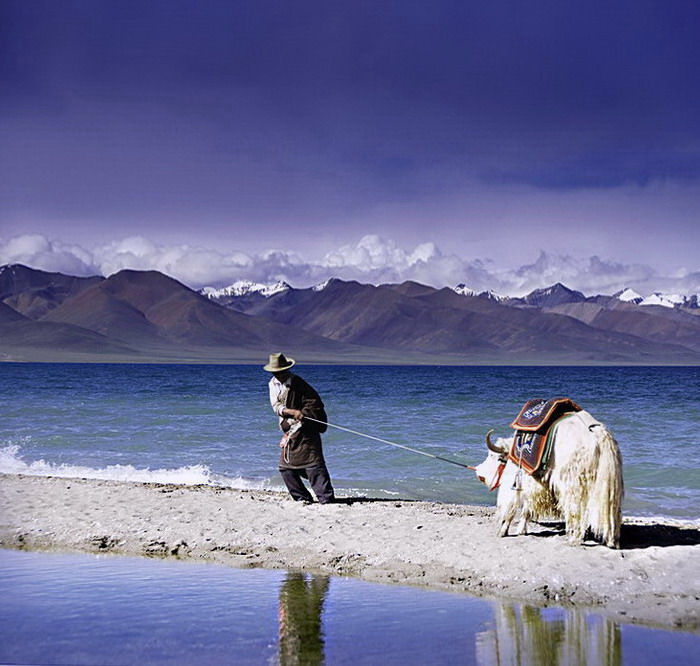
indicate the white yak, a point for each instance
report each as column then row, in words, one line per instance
column 581, row 483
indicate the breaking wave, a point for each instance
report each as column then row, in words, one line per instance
column 11, row 462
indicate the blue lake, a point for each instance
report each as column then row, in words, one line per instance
column 83, row 609
column 213, row 424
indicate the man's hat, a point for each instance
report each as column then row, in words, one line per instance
column 279, row 362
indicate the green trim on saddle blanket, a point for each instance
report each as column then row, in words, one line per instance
column 550, row 439
column 530, row 451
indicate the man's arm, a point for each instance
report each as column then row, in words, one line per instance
column 277, row 406
column 292, row 413
column 305, row 396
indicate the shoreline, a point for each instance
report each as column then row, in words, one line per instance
column 80, row 358
column 653, row 579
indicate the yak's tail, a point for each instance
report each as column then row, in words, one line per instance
column 605, row 497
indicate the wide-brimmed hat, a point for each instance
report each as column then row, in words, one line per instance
column 279, row 362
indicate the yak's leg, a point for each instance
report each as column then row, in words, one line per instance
column 503, row 527
column 522, row 523
column 506, row 512
column 504, row 517
column 576, row 528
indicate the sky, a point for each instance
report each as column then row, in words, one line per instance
column 504, row 145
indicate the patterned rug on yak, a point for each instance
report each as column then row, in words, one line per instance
column 535, row 427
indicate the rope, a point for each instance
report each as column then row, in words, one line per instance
column 290, row 433
column 386, row 441
column 518, row 480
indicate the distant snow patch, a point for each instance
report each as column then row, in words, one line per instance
column 322, row 285
column 667, row 300
column 629, row 296
column 463, row 290
column 245, row 288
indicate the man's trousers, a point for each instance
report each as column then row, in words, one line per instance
column 318, row 477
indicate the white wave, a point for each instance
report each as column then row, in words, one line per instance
column 11, row 462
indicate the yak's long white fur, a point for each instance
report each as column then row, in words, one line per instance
column 582, row 484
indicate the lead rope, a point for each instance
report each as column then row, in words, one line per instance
column 285, row 448
column 518, row 480
column 386, row 441
column 292, row 431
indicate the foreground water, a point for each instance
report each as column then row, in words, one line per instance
column 213, row 424
column 82, row 609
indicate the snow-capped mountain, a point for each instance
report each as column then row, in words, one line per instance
column 493, row 296
column 138, row 309
column 322, row 285
column 245, row 288
column 559, row 294
column 629, row 296
column 671, row 300
column 463, row 290
column 554, row 295
column 658, row 298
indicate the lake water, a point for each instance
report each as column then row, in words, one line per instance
column 213, row 424
column 83, row 609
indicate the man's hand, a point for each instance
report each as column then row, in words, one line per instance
column 292, row 413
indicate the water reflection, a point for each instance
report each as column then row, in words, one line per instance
column 520, row 635
column 530, row 635
column 80, row 609
column 301, row 638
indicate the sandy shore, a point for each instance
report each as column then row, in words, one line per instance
column 654, row 578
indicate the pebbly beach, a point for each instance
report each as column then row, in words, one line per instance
column 653, row 578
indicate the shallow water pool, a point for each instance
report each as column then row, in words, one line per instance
column 85, row 609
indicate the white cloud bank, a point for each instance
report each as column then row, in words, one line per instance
column 373, row 259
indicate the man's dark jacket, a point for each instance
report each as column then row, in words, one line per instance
column 305, row 449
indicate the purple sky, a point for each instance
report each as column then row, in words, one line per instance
column 500, row 144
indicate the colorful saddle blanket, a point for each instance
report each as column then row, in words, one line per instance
column 537, row 414
column 535, row 431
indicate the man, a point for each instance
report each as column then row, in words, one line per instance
column 301, row 457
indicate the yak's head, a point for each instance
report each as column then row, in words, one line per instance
column 489, row 472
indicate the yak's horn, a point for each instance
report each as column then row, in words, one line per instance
column 490, row 444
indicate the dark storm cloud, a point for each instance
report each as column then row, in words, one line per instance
column 262, row 109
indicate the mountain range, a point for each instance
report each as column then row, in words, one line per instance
column 148, row 316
